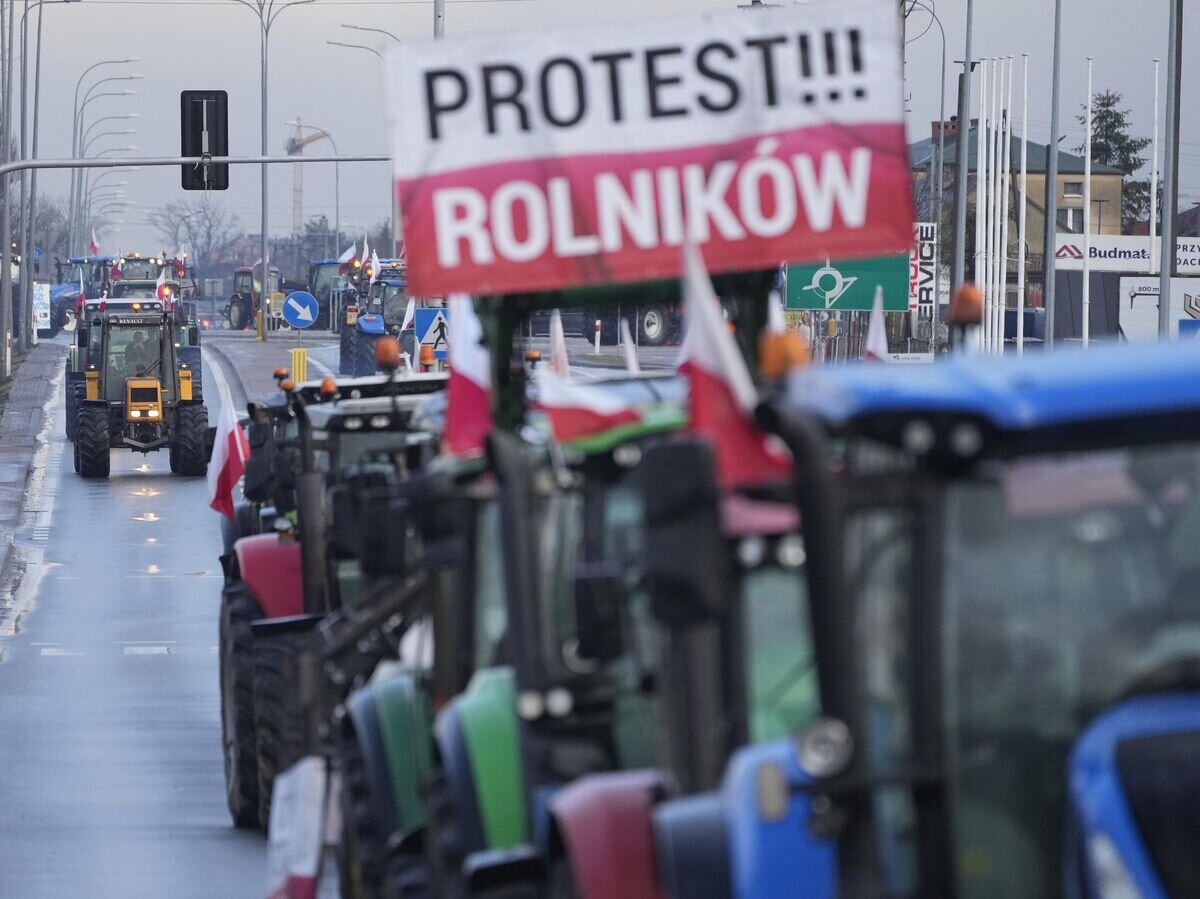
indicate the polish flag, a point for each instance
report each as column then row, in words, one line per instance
column 722, row 393
column 579, row 410
column 94, row 246
column 160, row 286
column 346, row 260
column 374, row 266
column 366, row 253
column 81, row 299
column 231, row 449
column 410, row 312
column 469, row 401
column 877, row 345
column 558, row 346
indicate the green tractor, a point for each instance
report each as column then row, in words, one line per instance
column 138, row 395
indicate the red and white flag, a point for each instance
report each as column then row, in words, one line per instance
column 559, row 361
column 374, row 266
column 365, row 258
column 81, row 299
column 410, row 313
column 346, row 260
column 579, row 410
column 231, row 449
column 94, row 246
column 876, row 349
column 722, row 393
column 161, row 290
column 469, row 401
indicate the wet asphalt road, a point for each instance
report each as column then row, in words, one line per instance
column 111, row 781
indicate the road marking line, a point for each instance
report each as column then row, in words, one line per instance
column 147, row 650
column 326, row 371
column 145, row 642
column 55, row 651
column 214, row 368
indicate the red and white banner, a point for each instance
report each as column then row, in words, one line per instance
column 580, row 410
column 557, row 158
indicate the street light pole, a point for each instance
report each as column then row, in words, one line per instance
column 1051, row 206
column 77, row 125
column 373, row 30
column 337, row 197
column 267, row 12
column 958, row 274
column 1170, row 193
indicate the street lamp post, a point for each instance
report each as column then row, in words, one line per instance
column 372, row 30
column 267, row 11
column 77, row 120
column 337, row 195
column 391, row 191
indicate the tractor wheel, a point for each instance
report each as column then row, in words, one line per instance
column 278, row 718
column 191, row 430
column 445, row 849
column 70, row 414
column 409, row 876
column 91, row 441
column 237, row 315
column 654, row 325
column 238, row 610
column 362, row 849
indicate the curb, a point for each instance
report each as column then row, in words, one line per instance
column 229, row 370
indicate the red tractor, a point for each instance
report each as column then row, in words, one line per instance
column 244, row 300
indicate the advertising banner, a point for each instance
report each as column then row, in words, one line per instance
column 555, row 158
column 922, row 266
column 1127, row 253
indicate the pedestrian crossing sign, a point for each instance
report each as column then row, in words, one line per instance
column 432, row 328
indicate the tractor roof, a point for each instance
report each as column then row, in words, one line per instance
column 1068, row 387
column 377, row 385
column 377, row 413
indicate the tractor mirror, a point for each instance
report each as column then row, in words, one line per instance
column 685, row 568
column 599, row 600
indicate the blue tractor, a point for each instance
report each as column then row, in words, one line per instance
column 998, row 572
column 373, row 310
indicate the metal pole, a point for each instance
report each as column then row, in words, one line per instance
column 262, row 288
column 959, row 262
column 1006, row 169
column 30, row 235
column 1154, row 172
column 439, row 17
column 6, row 291
column 981, row 187
column 989, row 235
column 1052, row 180
column 1170, row 169
column 1087, row 215
column 1024, row 204
column 23, row 336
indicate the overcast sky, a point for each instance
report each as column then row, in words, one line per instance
column 214, row 44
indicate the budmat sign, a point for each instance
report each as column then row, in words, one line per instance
column 559, row 158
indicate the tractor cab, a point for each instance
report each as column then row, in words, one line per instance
column 326, row 282
column 245, row 299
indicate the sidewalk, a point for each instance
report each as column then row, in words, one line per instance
column 247, row 364
column 35, row 384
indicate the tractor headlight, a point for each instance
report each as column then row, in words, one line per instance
column 134, row 413
column 380, row 421
column 353, row 423
column 1113, row 880
column 153, row 413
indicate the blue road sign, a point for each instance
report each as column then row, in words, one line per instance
column 432, row 328
column 300, row 309
column 1189, row 329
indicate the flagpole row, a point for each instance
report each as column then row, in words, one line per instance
column 1024, row 204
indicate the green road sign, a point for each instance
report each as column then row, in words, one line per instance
column 849, row 286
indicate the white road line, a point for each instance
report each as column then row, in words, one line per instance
column 147, row 650
column 212, row 365
column 145, row 642
column 56, row 651
column 326, row 371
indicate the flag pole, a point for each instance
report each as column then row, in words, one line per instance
column 1154, row 173
column 1002, row 295
column 1024, row 204
column 1087, row 215
column 981, row 187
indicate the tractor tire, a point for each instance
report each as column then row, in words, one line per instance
column 238, row 610
column 654, row 325
column 364, row 354
column 446, row 851
column 91, row 441
column 70, row 413
column 409, row 876
column 191, row 432
column 363, row 846
column 278, row 718
column 238, row 317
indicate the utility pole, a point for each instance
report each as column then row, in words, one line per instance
column 1052, row 180
column 962, row 149
column 1170, row 170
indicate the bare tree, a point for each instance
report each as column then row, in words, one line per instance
column 205, row 228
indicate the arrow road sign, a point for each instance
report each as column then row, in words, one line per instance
column 300, row 309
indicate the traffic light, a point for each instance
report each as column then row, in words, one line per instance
column 204, row 132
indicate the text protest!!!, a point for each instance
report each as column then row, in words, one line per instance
column 579, row 157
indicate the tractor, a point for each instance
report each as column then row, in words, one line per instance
column 326, row 282
column 280, row 584
column 245, row 301
column 138, row 395
column 377, row 309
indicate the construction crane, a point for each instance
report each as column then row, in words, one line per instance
column 294, row 146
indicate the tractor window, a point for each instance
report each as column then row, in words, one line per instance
column 879, row 552
column 325, row 279
column 133, row 350
column 1070, row 581
column 781, row 675
column 491, row 616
